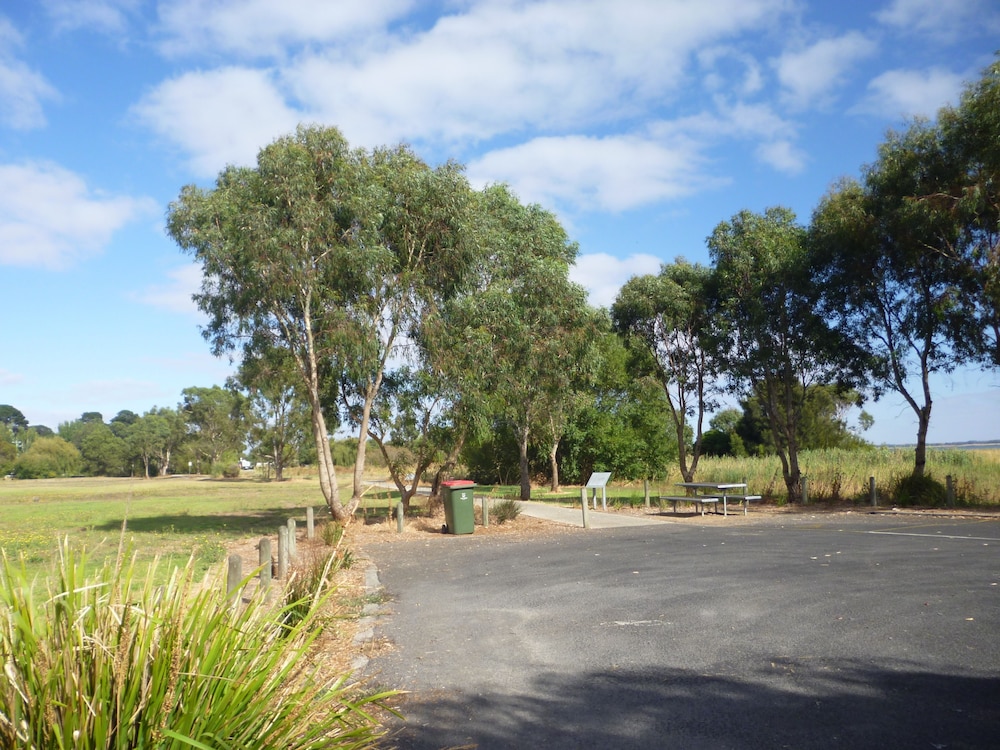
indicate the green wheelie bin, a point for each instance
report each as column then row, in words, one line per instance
column 459, row 509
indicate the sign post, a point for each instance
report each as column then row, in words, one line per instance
column 599, row 480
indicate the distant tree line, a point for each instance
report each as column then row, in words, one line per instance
column 367, row 291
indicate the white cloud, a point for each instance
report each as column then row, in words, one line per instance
column 728, row 69
column 50, row 218
column 218, row 118
column 488, row 69
column 610, row 174
column 909, row 93
column 22, row 90
column 500, row 67
column 810, row 75
column 256, row 28
column 174, row 295
column 603, row 275
column 105, row 16
column 782, row 156
column 946, row 20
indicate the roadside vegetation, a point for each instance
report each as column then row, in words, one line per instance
column 113, row 658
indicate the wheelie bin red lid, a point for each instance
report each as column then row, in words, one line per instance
column 453, row 483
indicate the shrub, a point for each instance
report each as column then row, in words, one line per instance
column 231, row 471
column 925, row 490
column 48, row 457
column 505, row 510
column 331, row 532
column 179, row 665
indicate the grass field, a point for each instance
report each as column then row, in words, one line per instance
column 172, row 518
column 176, row 517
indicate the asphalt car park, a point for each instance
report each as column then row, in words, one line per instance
column 855, row 630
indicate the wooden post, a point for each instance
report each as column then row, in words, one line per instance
column 645, row 491
column 399, row 517
column 486, row 510
column 291, row 539
column 264, row 560
column 234, row 576
column 583, row 502
column 951, row 490
column 310, row 524
column 283, row 553
column 872, row 495
column 805, row 490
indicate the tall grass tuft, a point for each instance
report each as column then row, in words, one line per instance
column 111, row 660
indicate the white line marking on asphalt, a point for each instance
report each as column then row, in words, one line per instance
column 938, row 536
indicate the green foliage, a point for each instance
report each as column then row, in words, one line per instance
column 215, row 420
column 8, row 454
column 171, row 666
column 331, row 533
column 310, row 582
column 505, row 510
column 918, row 490
column 47, row 458
column 667, row 322
column 12, row 418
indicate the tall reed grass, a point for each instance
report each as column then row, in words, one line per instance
column 112, row 660
column 843, row 475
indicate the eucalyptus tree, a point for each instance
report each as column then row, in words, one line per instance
column 667, row 322
column 773, row 344
column 274, row 244
column 414, row 246
column 970, row 140
column 328, row 253
column 278, row 421
column 893, row 273
column 147, row 436
column 215, row 419
column 525, row 329
column 419, row 425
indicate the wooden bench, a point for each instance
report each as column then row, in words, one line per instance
column 699, row 501
column 743, row 500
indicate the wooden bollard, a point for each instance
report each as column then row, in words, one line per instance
column 583, row 502
column 399, row 518
column 310, row 524
column 291, row 539
column 950, row 482
column 234, row 576
column 645, row 491
column 805, row 490
column 872, row 494
column 283, row 553
column 486, row 510
column 264, row 560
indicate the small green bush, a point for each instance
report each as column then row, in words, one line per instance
column 231, row 471
column 505, row 510
column 925, row 490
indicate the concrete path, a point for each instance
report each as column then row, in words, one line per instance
column 574, row 516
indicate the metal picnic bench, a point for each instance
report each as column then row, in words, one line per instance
column 719, row 491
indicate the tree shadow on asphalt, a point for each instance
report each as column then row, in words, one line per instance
column 789, row 705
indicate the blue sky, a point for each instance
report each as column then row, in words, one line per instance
column 641, row 123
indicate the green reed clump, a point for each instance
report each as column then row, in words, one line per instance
column 505, row 510
column 111, row 660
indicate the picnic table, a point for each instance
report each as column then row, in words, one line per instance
column 710, row 493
